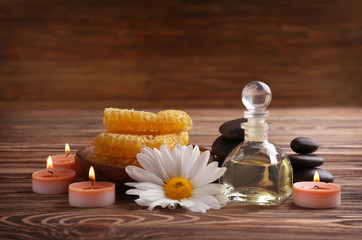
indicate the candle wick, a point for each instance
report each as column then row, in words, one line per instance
column 92, row 183
column 316, row 186
column 67, row 155
column 51, row 173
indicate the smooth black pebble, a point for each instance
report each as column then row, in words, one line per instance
column 232, row 129
column 307, row 174
column 304, row 145
column 223, row 146
column 305, row 160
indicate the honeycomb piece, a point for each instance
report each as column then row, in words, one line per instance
column 128, row 145
column 139, row 122
column 112, row 161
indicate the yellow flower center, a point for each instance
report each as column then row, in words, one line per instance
column 178, row 188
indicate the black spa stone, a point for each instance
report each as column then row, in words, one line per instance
column 232, row 129
column 305, row 160
column 307, row 174
column 304, row 145
column 223, row 146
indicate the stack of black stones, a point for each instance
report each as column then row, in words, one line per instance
column 304, row 163
column 232, row 135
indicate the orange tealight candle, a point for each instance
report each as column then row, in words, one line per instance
column 64, row 161
column 52, row 181
column 316, row 194
column 92, row 193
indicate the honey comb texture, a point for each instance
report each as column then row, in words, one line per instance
column 112, row 161
column 140, row 122
column 128, row 145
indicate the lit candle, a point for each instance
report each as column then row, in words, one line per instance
column 92, row 193
column 64, row 161
column 316, row 194
column 52, row 181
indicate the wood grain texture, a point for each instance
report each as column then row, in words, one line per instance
column 177, row 54
column 27, row 137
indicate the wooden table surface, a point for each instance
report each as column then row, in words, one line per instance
column 28, row 136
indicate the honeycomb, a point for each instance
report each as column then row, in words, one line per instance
column 140, row 122
column 128, row 145
column 112, row 161
column 129, row 131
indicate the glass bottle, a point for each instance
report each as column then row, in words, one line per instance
column 258, row 172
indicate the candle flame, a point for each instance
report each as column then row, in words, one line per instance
column 92, row 175
column 316, row 177
column 67, row 148
column 49, row 163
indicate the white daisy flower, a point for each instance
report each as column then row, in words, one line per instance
column 180, row 176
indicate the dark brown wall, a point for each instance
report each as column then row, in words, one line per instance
column 179, row 53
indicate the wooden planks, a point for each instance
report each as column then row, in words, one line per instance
column 194, row 54
column 27, row 137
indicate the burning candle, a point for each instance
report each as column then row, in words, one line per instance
column 316, row 194
column 52, row 181
column 92, row 193
column 64, row 161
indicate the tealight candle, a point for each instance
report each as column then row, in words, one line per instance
column 92, row 193
column 64, row 161
column 52, row 181
column 316, row 194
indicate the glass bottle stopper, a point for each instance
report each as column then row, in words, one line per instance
column 256, row 97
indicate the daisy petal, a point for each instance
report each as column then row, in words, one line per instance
column 157, row 156
column 152, row 195
column 142, row 202
column 200, row 163
column 150, row 161
column 168, row 162
column 164, row 202
column 187, row 161
column 147, row 163
column 141, row 175
column 177, row 158
column 209, row 189
column 131, row 184
column 186, row 203
column 210, row 201
column 199, row 206
column 134, row 191
column 148, row 186
column 208, row 174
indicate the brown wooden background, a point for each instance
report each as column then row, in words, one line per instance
column 178, row 54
